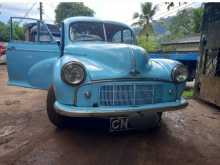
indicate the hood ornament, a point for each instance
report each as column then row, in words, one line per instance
column 133, row 71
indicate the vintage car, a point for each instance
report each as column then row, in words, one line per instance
column 96, row 70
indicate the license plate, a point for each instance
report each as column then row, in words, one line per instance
column 119, row 124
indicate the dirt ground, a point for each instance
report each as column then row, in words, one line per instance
column 189, row 136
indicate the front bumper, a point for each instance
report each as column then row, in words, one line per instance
column 72, row 111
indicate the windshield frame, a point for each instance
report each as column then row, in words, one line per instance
column 104, row 32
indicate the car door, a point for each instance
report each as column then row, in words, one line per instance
column 31, row 54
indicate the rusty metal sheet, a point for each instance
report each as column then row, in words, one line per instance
column 210, row 89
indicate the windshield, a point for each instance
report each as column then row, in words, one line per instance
column 94, row 31
column 118, row 34
column 87, row 31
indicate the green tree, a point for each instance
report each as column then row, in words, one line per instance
column 186, row 22
column 18, row 31
column 182, row 24
column 144, row 17
column 146, row 37
column 197, row 18
column 4, row 32
column 71, row 9
column 150, row 43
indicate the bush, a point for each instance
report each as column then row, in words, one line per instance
column 149, row 43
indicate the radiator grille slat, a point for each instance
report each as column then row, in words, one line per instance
column 130, row 94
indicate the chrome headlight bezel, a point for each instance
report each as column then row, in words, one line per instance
column 180, row 73
column 76, row 65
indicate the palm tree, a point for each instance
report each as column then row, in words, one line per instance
column 144, row 18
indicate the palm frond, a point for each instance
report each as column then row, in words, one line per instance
column 153, row 11
column 146, row 8
column 147, row 12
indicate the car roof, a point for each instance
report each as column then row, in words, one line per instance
column 91, row 19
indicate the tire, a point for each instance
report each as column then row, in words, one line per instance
column 159, row 114
column 55, row 118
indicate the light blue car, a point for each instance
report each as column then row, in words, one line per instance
column 94, row 70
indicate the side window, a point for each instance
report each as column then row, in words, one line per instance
column 24, row 29
column 118, row 33
column 87, row 31
column 29, row 30
column 127, row 36
column 117, row 37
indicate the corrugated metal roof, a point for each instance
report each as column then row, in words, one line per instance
column 185, row 40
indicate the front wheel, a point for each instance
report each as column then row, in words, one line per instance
column 159, row 118
column 54, row 117
column 159, row 114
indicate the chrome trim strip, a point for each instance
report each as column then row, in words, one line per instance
column 105, row 35
column 31, row 50
column 133, row 71
column 134, row 97
column 126, row 79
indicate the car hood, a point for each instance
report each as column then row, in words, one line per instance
column 109, row 61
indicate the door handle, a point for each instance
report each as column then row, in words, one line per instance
column 11, row 48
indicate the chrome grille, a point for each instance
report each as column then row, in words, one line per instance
column 130, row 94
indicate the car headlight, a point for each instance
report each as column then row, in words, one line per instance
column 179, row 73
column 73, row 73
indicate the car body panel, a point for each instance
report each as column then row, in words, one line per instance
column 117, row 60
column 155, row 71
column 31, row 64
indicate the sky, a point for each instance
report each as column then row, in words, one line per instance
column 116, row 10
